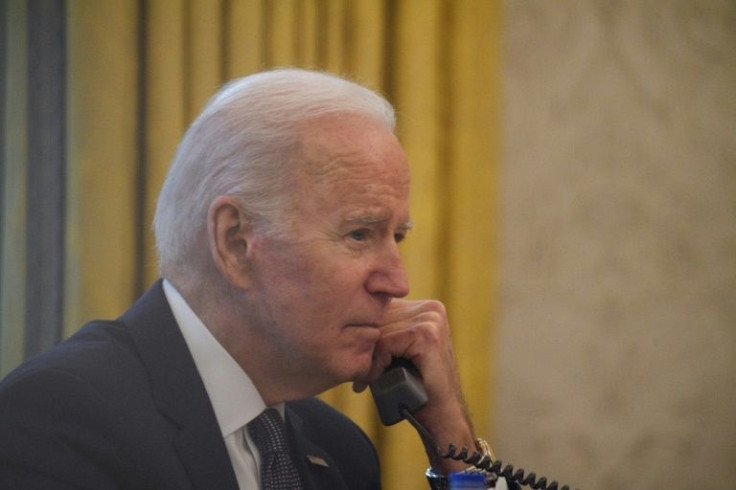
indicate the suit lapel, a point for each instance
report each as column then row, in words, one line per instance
column 317, row 469
column 179, row 392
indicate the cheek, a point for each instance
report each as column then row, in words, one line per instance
column 295, row 284
column 313, row 283
column 315, row 275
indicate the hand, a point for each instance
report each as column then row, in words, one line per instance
column 419, row 331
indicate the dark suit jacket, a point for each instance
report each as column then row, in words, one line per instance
column 121, row 405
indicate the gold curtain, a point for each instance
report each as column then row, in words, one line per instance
column 139, row 71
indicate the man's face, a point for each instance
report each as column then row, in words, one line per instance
column 320, row 291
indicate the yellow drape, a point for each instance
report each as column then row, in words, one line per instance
column 138, row 72
column 14, row 192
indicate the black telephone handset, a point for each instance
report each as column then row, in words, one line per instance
column 400, row 387
column 399, row 392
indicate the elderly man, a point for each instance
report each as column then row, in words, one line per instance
column 277, row 230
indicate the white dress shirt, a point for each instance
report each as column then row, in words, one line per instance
column 235, row 399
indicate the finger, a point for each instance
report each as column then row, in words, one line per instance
column 400, row 309
column 403, row 310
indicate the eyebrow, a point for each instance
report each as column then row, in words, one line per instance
column 372, row 220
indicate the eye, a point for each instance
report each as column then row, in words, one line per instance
column 399, row 237
column 359, row 235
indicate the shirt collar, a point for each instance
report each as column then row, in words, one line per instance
column 233, row 395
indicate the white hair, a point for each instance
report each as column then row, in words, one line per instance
column 241, row 145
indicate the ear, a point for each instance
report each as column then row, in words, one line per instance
column 227, row 230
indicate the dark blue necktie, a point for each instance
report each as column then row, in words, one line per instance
column 278, row 471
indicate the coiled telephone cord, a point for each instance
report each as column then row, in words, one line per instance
column 484, row 462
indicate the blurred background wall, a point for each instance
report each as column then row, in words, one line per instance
column 617, row 318
column 574, row 195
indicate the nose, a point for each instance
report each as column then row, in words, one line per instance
column 388, row 276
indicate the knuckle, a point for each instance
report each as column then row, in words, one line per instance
column 428, row 327
column 435, row 306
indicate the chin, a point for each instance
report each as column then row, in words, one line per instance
column 359, row 366
column 348, row 363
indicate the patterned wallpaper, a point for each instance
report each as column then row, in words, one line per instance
column 618, row 306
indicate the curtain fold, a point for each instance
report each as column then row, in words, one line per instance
column 14, row 185
column 101, row 229
column 138, row 73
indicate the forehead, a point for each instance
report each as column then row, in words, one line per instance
column 330, row 143
column 353, row 164
column 341, row 149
